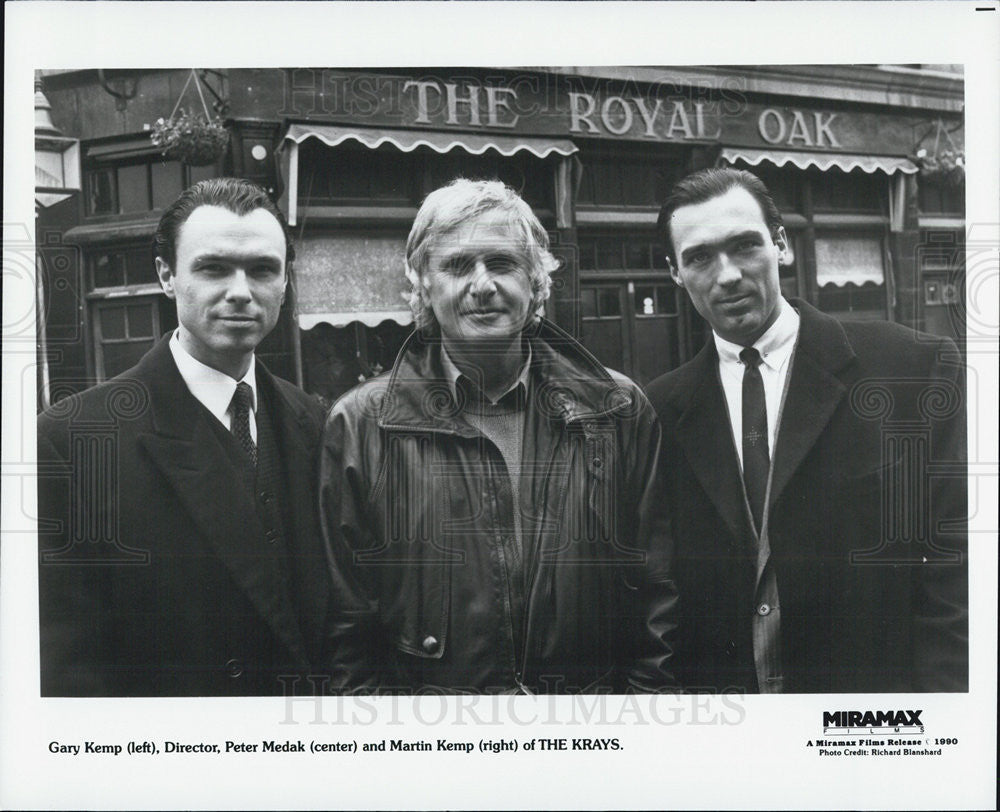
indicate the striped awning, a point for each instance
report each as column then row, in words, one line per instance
column 821, row 160
column 439, row 141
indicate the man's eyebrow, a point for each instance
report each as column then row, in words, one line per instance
column 729, row 238
column 228, row 256
column 462, row 253
column 457, row 254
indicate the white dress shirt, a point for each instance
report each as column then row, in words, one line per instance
column 214, row 389
column 775, row 348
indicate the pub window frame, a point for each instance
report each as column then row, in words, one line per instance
column 132, row 278
column 148, row 300
column 140, row 286
column 670, row 161
column 107, row 161
column 421, row 176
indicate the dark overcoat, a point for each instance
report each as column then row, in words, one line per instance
column 156, row 576
column 866, row 512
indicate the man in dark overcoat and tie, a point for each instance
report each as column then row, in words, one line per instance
column 179, row 552
column 816, row 471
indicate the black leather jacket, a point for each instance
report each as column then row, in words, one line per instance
column 415, row 504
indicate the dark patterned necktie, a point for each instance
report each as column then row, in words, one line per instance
column 242, row 399
column 756, row 457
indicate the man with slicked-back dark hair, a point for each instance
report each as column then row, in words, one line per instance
column 179, row 550
column 815, row 471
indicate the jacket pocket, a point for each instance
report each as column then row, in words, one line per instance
column 425, row 602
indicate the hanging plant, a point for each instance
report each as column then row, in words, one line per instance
column 195, row 139
column 945, row 163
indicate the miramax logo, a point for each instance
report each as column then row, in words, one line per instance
column 845, row 719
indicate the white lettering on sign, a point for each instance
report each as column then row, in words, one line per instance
column 464, row 104
column 773, row 128
column 648, row 117
column 699, row 112
column 823, row 130
column 581, row 114
column 453, row 100
column 495, row 102
column 679, row 122
column 767, row 130
column 423, row 116
column 626, row 115
column 799, row 130
column 498, row 103
column 655, row 120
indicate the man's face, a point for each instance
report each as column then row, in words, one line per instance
column 229, row 283
column 728, row 263
column 477, row 281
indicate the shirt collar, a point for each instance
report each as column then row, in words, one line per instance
column 453, row 373
column 213, row 389
column 775, row 346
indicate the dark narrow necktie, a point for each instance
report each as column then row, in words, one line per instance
column 756, row 458
column 242, row 399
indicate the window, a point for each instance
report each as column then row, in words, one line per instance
column 128, row 312
column 621, row 252
column 523, row 172
column 838, row 191
column 125, row 329
column 121, row 266
column 655, row 300
column 623, row 177
column 940, row 197
column 600, row 302
column 138, row 185
column 351, row 175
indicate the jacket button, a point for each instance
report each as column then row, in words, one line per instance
column 430, row 644
column 764, row 610
column 234, row 668
column 731, row 648
column 264, row 496
column 598, row 462
column 271, row 536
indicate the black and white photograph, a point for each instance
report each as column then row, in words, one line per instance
column 391, row 410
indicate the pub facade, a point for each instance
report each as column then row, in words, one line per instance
column 866, row 164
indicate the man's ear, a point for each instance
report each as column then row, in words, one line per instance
column 166, row 277
column 673, row 273
column 781, row 240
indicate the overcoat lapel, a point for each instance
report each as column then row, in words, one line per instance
column 704, row 434
column 186, row 450
column 814, row 392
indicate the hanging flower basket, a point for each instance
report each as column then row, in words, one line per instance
column 195, row 139
column 944, row 164
column 947, row 166
column 191, row 138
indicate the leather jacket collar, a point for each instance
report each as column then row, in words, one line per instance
column 567, row 382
